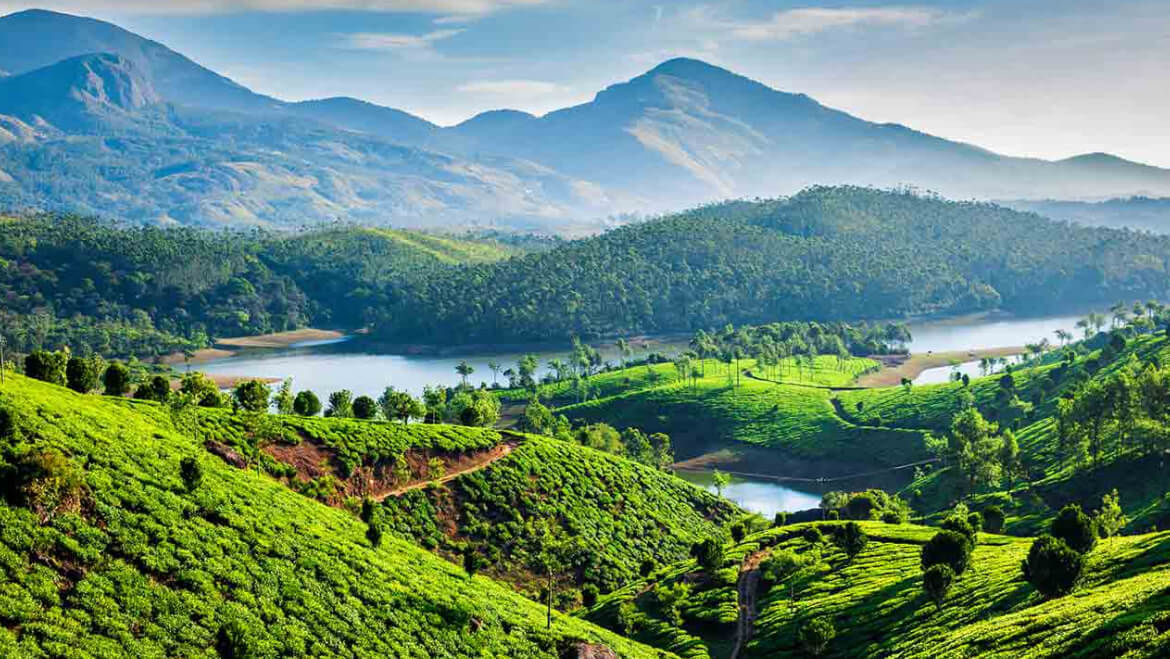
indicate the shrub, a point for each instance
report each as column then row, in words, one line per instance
column 851, row 539
column 364, row 407
column 782, row 565
column 116, row 379
column 157, row 388
column 374, row 535
column 191, row 472
column 947, row 548
column 936, row 581
column 50, row 484
column 307, row 404
column 737, row 532
column 993, row 519
column 202, row 389
column 1075, row 528
column 833, row 515
column 780, row 519
column 647, row 567
column 815, row 635
column 1052, row 567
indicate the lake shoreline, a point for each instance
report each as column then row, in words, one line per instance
column 896, row 367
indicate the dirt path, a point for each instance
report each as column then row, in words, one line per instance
column 749, row 581
column 479, row 461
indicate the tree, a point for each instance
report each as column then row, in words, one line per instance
column 306, row 403
column 1075, row 528
column 81, row 374
column 1009, row 457
column 46, row 366
column 434, row 403
column 116, row 379
column 720, row 481
column 1052, row 567
column 283, row 398
column 947, row 548
column 708, row 554
column 157, row 388
column 201, row 390
column 851, row 539
column 191, row 472
column 340, row 404
column 815, row 635
column 862, row 505
column 536, row 419
column 737, row 532
column 971, row 445
column 400, row 405
column 364, row 407
column 993, row 519
column 936, row 581
column 476, row 408
column 494, row 367
column 1110, row 519
column 374, row 534
column 252, row 396
column 464, row 370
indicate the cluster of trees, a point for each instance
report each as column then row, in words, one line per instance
column 984, row 455
column 1056, row 560
column 826, row 253
column 1125, row 412
column 104, row 288
column 871, row 504
column 654, row 450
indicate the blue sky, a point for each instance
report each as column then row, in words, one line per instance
column 1038, row 78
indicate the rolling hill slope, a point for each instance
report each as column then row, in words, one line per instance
column 121, row 559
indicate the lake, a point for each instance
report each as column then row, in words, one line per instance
column 757, row 496
column 333, row 365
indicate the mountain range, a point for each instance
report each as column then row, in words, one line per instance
column 96, row 119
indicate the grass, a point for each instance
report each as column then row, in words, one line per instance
column 143, row 568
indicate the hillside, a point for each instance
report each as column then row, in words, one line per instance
column 824, row 254
column 681, row 134
column 121, row 290
column 876, row 605
column 1139, row 213
column 105, row 549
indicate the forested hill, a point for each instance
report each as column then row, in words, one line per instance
column 116, row 290
column 826, row 253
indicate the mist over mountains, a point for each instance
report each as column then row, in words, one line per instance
column 111, row 123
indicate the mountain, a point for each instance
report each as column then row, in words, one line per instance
column 81, row 93
column 690, row 132
column 682, row 134
column 1141, row 213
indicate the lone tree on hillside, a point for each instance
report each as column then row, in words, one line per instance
column 340, row 404
column 937, row 581
column 815, row 635
column 851, row 539
column 1053, row 567
column 364, row 407
column 116, row 379
column 1075, row 528
column 464, row 370
column 947, row 548
column 191, row 472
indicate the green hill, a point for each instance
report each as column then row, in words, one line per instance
column 825, row 254
column 878, row 608
column 104, row 551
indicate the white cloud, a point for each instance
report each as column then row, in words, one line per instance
column 448, row 7
column 810, row 20
column 513, row 88
column 393, row 41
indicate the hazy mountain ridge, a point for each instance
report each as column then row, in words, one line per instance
column 682, row 134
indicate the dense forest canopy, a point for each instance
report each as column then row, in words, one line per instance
column 95, row 286
column 824, row 254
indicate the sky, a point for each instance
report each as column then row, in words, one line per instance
column 1043, row 78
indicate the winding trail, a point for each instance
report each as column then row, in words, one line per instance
column 480, row 461
column 748, row 584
